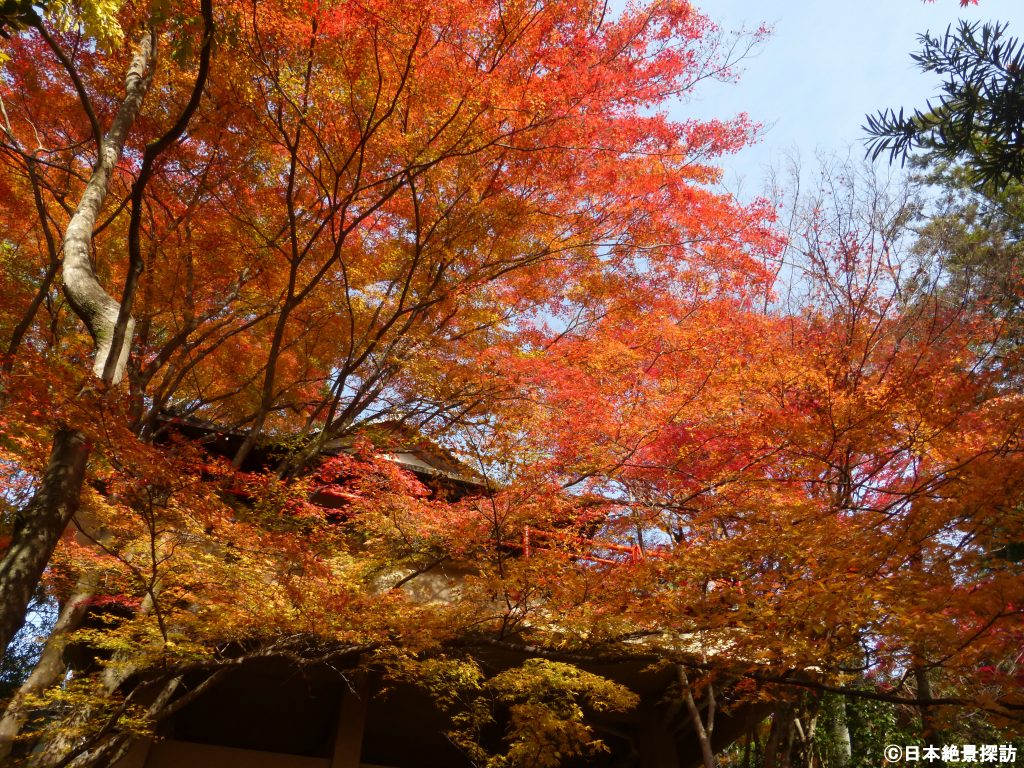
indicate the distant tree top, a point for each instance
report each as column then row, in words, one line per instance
column 979, row 116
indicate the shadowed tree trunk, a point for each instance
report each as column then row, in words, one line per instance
column 39, row 527
column 930, row 731
column 781, row 720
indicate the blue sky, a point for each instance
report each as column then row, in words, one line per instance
column 826, row 65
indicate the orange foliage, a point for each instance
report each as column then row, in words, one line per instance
column 470, row 223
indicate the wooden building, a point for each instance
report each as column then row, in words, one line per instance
column 271, row 712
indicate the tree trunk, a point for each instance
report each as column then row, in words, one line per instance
column 786, row 756
column 930, row 732
column 48, row 513
column 780, row 724
column 840, row 728
column 90, row 301
column 39, row 527
column 704, row 732
column 50, row 667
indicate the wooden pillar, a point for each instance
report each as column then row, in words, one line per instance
column 348, row 736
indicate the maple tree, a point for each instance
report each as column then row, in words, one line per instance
column 853, row 420
column 289, row 227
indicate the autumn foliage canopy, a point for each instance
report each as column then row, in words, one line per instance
column 240, row 235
